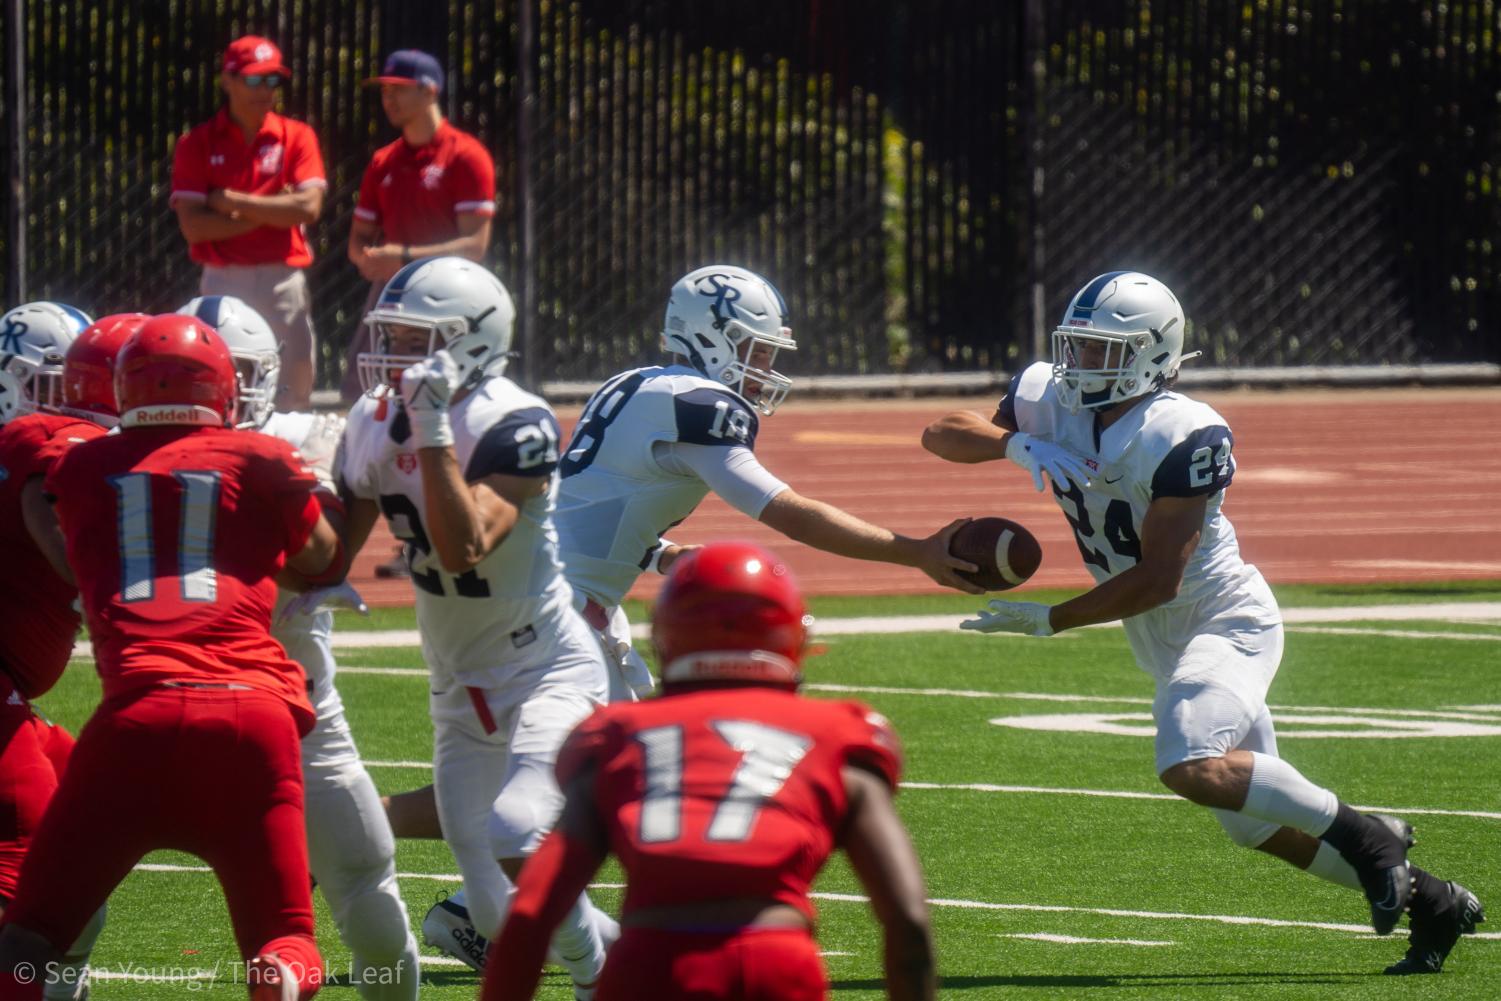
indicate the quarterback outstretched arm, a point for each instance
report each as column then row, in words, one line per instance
column 824, row 526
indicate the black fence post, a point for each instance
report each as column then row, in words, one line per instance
column 15, row 122
column 526, row 268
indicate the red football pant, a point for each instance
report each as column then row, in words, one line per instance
column 214, row 772
column 33, row 754
column 765, row 965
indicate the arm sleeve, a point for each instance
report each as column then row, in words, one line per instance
column 548, row 887
column 307, row 161
column 1199, row 464
column 473, row 177
column 524, row 443
column 52, row 448
column 735, row 474
column 368, row 206
column 189, row 170
column 290, row 485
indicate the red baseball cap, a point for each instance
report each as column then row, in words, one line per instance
column 254, row 54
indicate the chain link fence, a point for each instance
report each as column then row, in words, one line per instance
column 927, row 183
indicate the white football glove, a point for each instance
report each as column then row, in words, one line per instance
column 324, row 599
column 999, row 616
column 426, row 388
column 1037, row 457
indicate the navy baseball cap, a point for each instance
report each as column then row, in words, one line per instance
column 410, row 66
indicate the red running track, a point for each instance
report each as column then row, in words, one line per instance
column 1331, row 487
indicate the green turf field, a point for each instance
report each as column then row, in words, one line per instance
column 1058, row 866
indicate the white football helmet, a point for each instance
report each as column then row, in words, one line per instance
column 1121, row 337
column 717, row 316
column 253, row 346
column 461, row 304
column 33, row 340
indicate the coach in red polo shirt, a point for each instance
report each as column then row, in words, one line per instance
column 430, row 193
column 244, row 184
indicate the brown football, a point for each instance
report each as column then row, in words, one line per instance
column 1006, row 553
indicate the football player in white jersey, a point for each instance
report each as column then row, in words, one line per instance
column 461, row 461
column 653, row 442
column 351, row 851
column 1140, row 471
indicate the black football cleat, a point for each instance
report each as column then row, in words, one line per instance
column 1435, row 927
column 1389, row 887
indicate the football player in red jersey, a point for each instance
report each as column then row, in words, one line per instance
column 38, row 621
column 175, row 529
column 722, row 799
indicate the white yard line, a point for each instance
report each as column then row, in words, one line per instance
column 1042, row 936
column 1453, row 611
column 1025, row 790
column 1229, row 919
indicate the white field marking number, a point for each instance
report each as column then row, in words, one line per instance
column 768, row 757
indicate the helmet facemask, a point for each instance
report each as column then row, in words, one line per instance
column 1095, row 368
column 256, row 373
column 382, row 366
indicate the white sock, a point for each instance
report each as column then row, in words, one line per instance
column 1331, row 865
column 1279, row 793
column 577, row 943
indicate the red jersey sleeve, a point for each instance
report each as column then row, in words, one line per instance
column 291, row 484
column 472, row 177
column 40, row 460
column 589, row 745
column 368, row 206
column 873, row 744
column 306, row 167
column 190, row 178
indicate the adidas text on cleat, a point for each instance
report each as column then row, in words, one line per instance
column 447, row 928
column 1389, row 887
column 1434, row 929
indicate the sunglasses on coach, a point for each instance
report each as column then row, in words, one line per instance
column 271, row 80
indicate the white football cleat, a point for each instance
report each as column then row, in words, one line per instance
column 448, row 929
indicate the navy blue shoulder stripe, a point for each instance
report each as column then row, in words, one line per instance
column 1092, row 291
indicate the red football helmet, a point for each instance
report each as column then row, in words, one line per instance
column 730, row 612
column 175, row 370
column 89, row 366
